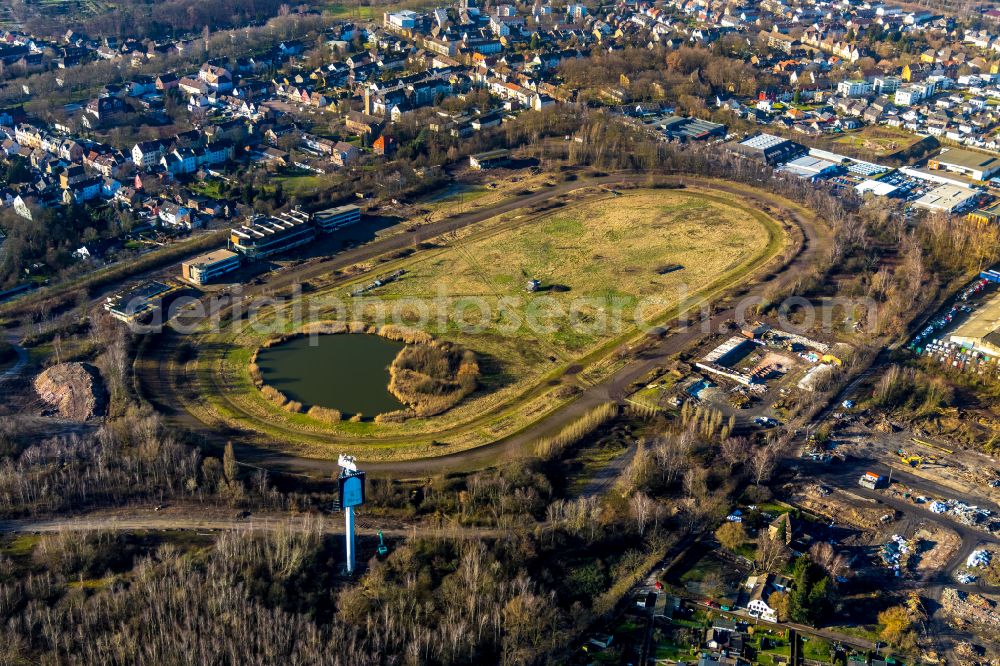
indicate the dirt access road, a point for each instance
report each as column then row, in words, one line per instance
column 22, row 360
column 187, row 518
column 616, row 388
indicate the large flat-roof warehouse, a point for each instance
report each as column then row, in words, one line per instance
column 140, row 301
column 947, row 199
column 688, row 129
column 772, row 149
column 981, row 331
column 811, row 167
column 980, row 166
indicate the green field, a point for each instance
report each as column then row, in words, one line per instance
column 599, row 262
column 879, row 139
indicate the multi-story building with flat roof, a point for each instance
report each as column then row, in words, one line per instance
column 207, row 267
column 265, row 236
column 332, row 219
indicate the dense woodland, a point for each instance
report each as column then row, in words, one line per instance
column 152, row 19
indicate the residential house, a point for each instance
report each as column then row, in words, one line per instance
column 345, row 154
column 148, row 153
column 82, row 191
column 103, row 108
column 180, row 162
column 175, row 215
column 384, row 145
column 167, row 81
column 760, row 590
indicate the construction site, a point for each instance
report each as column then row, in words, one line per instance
column 756, row 374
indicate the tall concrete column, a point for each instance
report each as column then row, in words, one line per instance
column 349, row 520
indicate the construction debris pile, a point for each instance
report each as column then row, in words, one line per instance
column 74, row 390
column 966, row 514
column 979, row 559
column 896, row 553
column 974, row 608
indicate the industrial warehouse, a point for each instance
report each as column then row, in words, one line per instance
column 771, row 149
column 688, row 129
column 981, row 331
column 947, row 199
column 978, row 166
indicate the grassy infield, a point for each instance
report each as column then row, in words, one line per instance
column 605, row 250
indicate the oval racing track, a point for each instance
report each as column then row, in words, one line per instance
column 154, row 383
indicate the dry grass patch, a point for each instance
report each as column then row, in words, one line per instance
column 551, row 448
column 432, row 378
column 325, row 414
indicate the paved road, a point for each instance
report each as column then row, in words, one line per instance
column 157, row 387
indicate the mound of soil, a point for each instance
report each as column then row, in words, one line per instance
column 75, row 390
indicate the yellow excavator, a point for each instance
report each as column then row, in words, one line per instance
column 908, row 459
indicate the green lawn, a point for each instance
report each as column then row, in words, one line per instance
column 776, row 646
column 454, row 193
column 869, row 632
column 20, row 545
column 815, row 648
column 672, row 652
column 879, row 139
column 300, row 184
column 211, row 188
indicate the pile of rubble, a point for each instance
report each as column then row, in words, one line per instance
column 74, row 390
column 979, row 559
column 896, row 553
column 974, row 608
column 965, row 513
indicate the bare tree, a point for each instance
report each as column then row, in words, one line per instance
column 763, row 460
column 643, row 509
column 771, row 553
column 827, row 557
column 734, row 450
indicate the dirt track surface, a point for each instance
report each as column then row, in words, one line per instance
column 185, row 520
column 22, row 361
column 616, row 388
